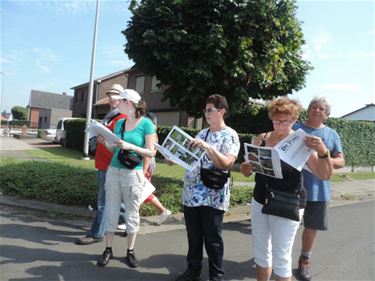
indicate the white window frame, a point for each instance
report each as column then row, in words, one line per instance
column 140, row 84
column 154, row 81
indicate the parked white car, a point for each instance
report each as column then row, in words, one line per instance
column 48, row 135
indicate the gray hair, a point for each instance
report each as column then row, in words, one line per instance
column 322, row 100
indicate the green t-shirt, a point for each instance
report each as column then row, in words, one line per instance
column 135, row 136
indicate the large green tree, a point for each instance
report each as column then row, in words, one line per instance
column 19, row 113
column 239, row 48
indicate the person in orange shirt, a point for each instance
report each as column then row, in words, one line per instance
column 102, row 159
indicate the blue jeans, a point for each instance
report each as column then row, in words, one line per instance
column 97, row 227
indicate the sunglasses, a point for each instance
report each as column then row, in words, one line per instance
column 282, row 122
column 209, row 110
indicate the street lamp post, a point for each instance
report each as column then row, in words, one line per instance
column 1, row 95
column 91, row 87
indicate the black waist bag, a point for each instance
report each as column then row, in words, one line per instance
column 214, row 178
column 128, row 159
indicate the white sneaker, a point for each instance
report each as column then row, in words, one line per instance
column 163, row 216
column 121, row 226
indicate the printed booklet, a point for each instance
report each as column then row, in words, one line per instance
column 175, row 147
column 96, row 128
column 291, row 150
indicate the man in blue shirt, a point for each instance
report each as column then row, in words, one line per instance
column 318, row 191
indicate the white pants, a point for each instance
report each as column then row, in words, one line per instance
column 123, row 185
column 273, row 239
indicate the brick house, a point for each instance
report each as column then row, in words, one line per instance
column 146, row 86
column 46, row 108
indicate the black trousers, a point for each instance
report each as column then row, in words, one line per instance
column 204, row 225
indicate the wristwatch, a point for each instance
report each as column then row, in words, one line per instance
column 325, row 155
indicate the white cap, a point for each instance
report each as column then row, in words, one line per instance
column 128, row 94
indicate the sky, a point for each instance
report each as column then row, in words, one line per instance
column 47, row 46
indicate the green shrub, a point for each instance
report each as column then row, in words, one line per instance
column 49, row 182
column 169, row 192
column 61, row 183
column 240, row 196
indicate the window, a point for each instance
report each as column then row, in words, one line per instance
column 45, row 119
column 75, row 97
column 82, row 95
column 154, row 83
column 140, row 84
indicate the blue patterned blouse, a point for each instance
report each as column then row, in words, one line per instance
column 195, row 193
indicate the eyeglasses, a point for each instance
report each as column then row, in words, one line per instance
column 282, row 122
column 209, row 110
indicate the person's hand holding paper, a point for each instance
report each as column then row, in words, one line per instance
column 95, row 128
column 124, row 145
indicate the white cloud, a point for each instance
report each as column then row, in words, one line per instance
column 74, row 6
column 321, row 40
column 44, row 58
column 42, row 66
column 46, row 54
column 11, row 58
column 340, row 87
column 113, row 55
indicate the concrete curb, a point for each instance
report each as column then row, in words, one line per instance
column 148, row 224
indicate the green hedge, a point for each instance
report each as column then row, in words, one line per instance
column 60, row 183
column 15, row 123
column 49, row 182
column 357, row 137
column 358, row 140
column 75, row 135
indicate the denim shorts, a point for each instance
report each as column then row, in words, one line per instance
column 316, row 215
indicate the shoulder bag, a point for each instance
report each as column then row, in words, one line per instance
column 214, row 178
column 281, row 204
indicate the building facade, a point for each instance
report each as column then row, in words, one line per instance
column 45, row 108
column 366, row 113
column 149, row 89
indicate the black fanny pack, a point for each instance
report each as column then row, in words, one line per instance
column 129, row 160
column 214, row 178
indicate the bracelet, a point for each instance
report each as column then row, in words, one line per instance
column 325, row 155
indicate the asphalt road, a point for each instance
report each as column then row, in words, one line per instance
column 38, row 247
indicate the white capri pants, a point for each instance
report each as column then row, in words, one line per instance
column 123, row 186
column 273, row 239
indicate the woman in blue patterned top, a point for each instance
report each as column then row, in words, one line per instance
column 204, row 207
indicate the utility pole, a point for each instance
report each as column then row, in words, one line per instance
column 91, row 87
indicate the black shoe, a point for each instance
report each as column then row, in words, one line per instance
column 131, row 259
column 104, row 259
column 303, row 269
column 87, row 240
column 125, row 234
column 189, row 275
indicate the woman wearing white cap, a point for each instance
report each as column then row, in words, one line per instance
column 125, row 176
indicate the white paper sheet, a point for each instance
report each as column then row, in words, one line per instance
column 147, row 189
column 96, row 128
column 291, row 150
